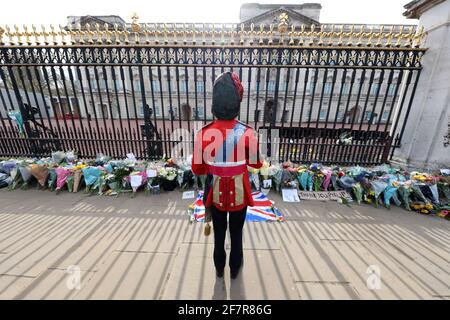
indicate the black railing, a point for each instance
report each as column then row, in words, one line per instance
column 121, row 99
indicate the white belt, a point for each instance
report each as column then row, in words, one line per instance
column 226, row 164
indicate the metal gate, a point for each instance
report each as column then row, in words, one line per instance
column 332, row 94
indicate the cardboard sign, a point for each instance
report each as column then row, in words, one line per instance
column 324, row 195
column 290, row 195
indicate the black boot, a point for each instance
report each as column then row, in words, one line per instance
column 235, row 273
column 219, row 273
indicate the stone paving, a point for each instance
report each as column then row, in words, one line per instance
column 145, row 248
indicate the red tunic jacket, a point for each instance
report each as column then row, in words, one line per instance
column 223, row 149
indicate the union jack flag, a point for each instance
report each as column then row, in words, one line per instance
column 264, row 209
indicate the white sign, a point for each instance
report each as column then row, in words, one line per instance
column 151, row 173
column 290, row 195
column 188, row 194
column 135, row 180
column 324, row 195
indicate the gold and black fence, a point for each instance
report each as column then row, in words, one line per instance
column 331, row 93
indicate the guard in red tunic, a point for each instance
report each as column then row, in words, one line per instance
column 223, row 149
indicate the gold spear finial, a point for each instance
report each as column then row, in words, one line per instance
column 2, row 31
column 27, row 34
column 146, row 32
column 45, row 34
column 261, row 33
column 117, row 33
column 80, row 34
column 301, row 35
column 283, row 25
column 62, row 34
column 99, row 33
column 107, row 33
column 18, row 34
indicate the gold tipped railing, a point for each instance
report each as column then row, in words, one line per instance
column 282, row 34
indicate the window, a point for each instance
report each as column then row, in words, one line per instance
column 391, row 90
column 183, row 86
column 157, row 111
column 327, row 89
column 340, row 115
column 374, row 89
column 385, row 116
column 155, row 86
column 308, row 87
column 200, row 112
column 200, row 87
column 322, row 114
column 271, row 86
column 137, row 85
column 93, row 84
column 118, row 84
column 346, row 89
column 368, row 116
column 357, row 87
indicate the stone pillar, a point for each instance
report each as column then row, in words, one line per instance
column 426, row 140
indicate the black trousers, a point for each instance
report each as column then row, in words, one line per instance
column 236, row 222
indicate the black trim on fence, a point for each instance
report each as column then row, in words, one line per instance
column 78, row 98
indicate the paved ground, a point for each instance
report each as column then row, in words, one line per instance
column 144, row 248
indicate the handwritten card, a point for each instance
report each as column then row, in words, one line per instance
column 290, row 195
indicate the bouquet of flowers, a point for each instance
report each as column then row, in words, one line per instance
column 40, row 172
column 152, row 186
column 168, row 176
column 71, row 157
column 16, row 177
column 358, row 192
column 62, row 173
column 404, row 191
column 58, row 157
column 326, row 182
column 254, row 178
column 378, row 186
column 267, row 182
column 91, row 177
column 137, row 179
column 52, row 178
column 77, row 175
column 25, row 172
column 390, row 192
column 185, row 177
column 7, row 166
column 101, row 159
column 289, row 176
